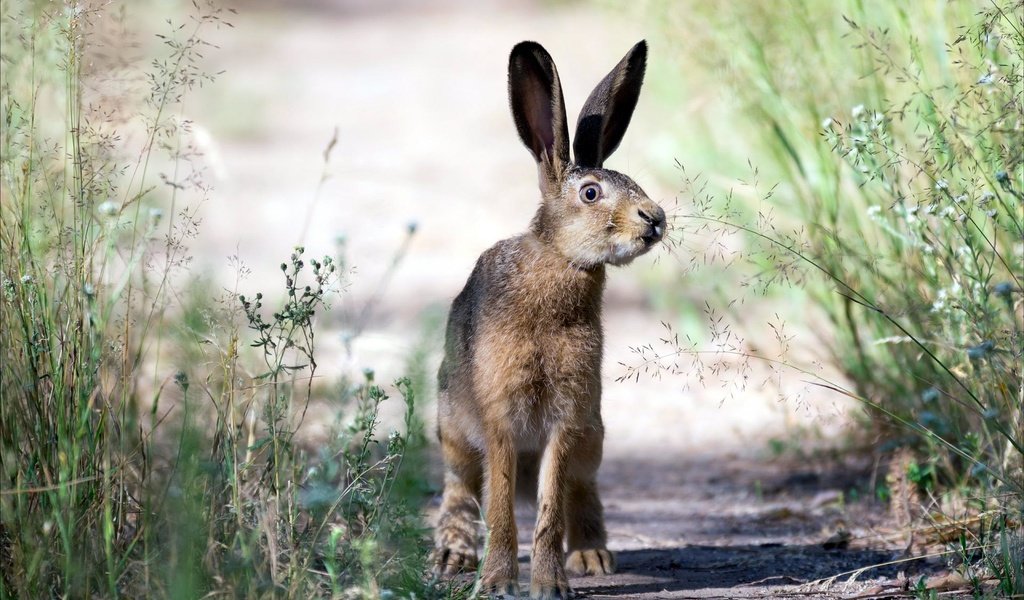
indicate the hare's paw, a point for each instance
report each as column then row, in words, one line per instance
column 500, row 588
column 449, row 560
column 455, row 543
column 596, row 561
column 555, row 590
column 500, row 577
column 548, row 580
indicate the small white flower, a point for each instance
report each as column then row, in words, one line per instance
column 942, row 184
column 911, row 210
column 960, row 199
column 156, row 213
column 929, row 210
column 986, row 198
column 991, row 213
column 874, row 210
column 827, row 123
column 940, row 300
column 858, row 111
column 949, row 211
column 107, row 208
column 927, row 249
column 26, row 279
column 986, row 79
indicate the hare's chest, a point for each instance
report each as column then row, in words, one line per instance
column 532, row 378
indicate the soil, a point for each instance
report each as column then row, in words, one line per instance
column 727, row 526
column 696, row 506
column 734, row 526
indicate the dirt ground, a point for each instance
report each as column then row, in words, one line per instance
column 695, row 506
column 729, row 526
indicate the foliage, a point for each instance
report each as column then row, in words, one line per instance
column 895, row 132
column 123, row 475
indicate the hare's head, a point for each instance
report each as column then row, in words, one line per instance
column 588, row 214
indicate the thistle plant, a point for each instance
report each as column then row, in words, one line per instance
column 287, row 342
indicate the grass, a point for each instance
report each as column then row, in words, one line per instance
column 890, row 135
column 149, row 423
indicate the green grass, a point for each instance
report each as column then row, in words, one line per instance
column 886, row 139
column 149, row 425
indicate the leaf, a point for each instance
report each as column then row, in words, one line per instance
column 260, row 443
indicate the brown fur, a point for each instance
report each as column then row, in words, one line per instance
column 521, row 376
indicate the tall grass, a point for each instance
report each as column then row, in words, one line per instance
column 895, row 133
column 150, row 429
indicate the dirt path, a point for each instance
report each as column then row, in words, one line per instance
column 725, row 526
column 418, row 99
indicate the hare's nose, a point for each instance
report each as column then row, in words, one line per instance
column 655, row 218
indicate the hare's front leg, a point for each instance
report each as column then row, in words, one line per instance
column 548, row 580
column 501, row 566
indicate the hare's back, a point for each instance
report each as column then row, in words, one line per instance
column 485, row 287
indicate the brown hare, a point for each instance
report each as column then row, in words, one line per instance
column 520, row 384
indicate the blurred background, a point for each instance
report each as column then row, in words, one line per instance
column 413, row 98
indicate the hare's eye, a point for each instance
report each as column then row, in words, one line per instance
column 590, row 193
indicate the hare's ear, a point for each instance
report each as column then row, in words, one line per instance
column 607, row 112
column 535, row 95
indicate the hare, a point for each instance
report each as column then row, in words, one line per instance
column 520, row 383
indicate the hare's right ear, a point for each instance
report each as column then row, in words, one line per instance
column 609, row 108
column 535, row 96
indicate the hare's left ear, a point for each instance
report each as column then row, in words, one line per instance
column 607, row 112
column 535, row 96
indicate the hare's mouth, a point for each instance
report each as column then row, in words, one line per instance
column 623, row 253
column 652, row 236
